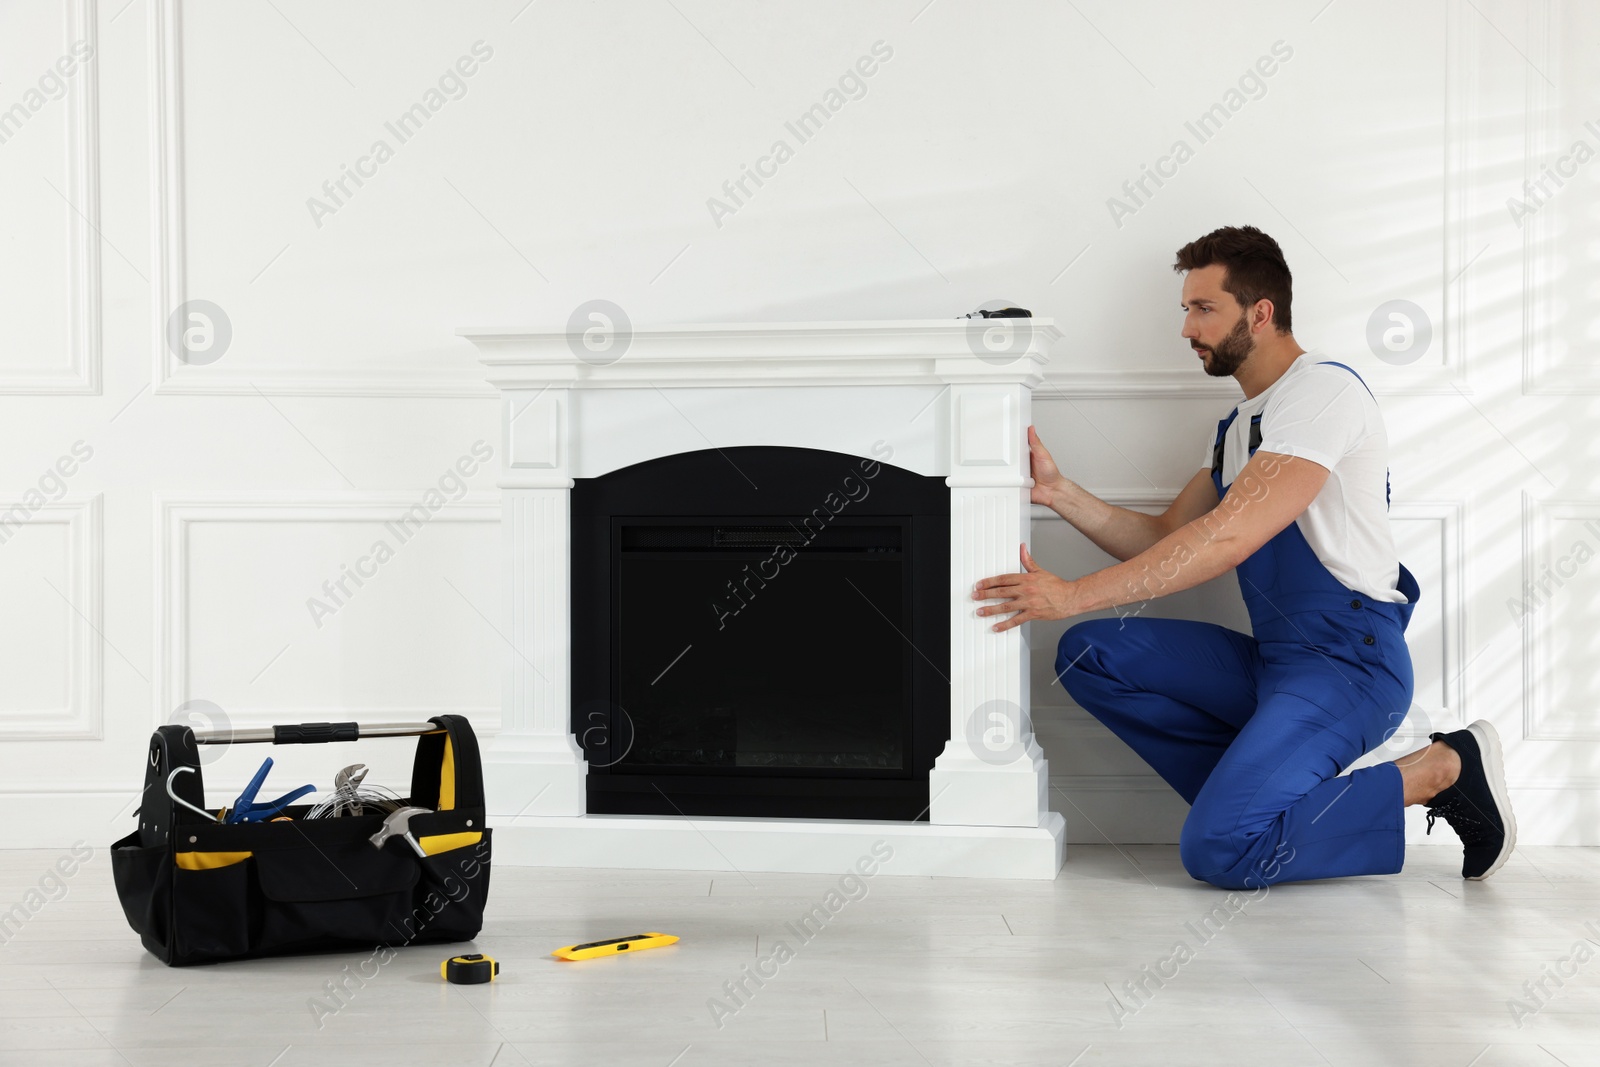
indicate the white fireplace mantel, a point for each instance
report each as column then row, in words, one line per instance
column 948, row 398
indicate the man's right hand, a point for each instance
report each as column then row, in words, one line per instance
column 1047, row 477
column 1119, row 532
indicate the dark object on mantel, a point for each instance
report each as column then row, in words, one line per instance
column 1001, row 313
column 781, row 652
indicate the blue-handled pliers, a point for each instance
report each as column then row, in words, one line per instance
column 245, row 809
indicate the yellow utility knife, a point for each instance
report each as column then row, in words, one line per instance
column 634, row 943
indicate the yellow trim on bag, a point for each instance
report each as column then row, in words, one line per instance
column 447, row 777
column 445, row 842
column 210, row 861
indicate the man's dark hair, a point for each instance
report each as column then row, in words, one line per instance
column 1254, row 265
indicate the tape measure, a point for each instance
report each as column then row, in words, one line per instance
column 475, row 969
column 633, row 943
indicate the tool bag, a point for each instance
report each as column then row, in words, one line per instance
column 197, row 890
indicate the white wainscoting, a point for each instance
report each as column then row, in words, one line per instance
column 177, row 592
column 1559, row 616
column 71, row 196
column 309, row 371
column 70, row 530
column 176, row 165
column 1558, row 342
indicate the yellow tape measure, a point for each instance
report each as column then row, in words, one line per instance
column 475, row 969
column 634, row 943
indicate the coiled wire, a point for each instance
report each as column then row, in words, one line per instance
column 350, row 797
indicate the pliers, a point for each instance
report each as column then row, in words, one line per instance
column 245, row 809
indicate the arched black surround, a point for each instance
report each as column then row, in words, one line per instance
column 761, row 631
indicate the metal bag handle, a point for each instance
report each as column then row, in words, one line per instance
column 309, row 733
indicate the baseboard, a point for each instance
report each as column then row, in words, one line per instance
column 1144, row 810
column 633, row 842
column 1121, row 809
column 60, row 819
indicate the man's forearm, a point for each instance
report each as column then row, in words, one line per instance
column 1189, row 556
column 1121, row 532
column 1270, row 493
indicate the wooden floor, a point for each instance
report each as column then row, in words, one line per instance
column 1419, row 968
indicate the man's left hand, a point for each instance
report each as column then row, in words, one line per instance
column 1034, row 594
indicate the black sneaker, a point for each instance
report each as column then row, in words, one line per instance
column 1477, row 806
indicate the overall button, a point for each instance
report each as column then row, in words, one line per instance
column 1369, row 640
column 1355, row 603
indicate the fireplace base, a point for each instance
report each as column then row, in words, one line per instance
column 812, row 846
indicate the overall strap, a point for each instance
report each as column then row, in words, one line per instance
column 1336, row 363
column 1222, row 433
column 1388, row 490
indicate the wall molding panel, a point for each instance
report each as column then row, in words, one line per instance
column 1176, row 384
column 1448, row 516
column 170, row 288
column 176, row 515
column 81, row 717
column 81, row 375
column 1543, row 575
column 1544, row 140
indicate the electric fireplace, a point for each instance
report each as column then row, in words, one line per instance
column 729, row 649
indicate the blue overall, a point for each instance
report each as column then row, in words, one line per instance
column 1254, row 732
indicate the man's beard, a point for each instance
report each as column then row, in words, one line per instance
column 1231, row 352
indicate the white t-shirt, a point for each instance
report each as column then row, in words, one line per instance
column 1325, row 414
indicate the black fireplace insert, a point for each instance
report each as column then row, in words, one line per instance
column 761, row 631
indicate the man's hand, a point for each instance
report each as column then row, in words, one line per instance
column 1034, row 594
column 1046, row 475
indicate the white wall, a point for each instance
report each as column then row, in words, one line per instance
column 576, row 162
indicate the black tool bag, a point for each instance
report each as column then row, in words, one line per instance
column 197, row 890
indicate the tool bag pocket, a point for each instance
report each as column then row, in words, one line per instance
column 144, row 888
column 454, row 887
column 198, row 891
column 212, row 910
column 356, row 896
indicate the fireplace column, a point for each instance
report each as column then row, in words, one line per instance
column 534, row 767
column 992, row 771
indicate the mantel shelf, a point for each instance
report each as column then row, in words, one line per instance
column 904, row 352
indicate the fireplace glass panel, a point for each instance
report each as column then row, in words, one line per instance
column 805, row 669
column 761, row 631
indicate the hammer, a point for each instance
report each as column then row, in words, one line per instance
column 399, row 823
